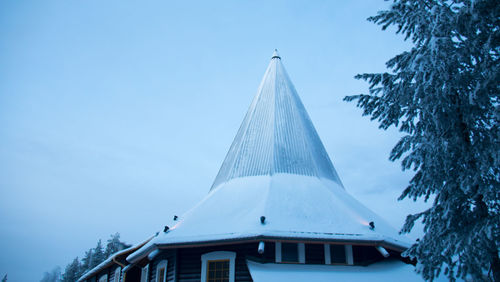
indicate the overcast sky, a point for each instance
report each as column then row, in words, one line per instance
column 116, row 115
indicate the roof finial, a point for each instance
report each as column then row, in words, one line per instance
column 276, row 55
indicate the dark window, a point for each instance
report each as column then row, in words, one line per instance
column 289, row 252
column 364, row 255
column 337, row 253
column 315, row 253
column 268, row 255
column 218, row 271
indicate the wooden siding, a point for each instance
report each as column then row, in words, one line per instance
column 189, row 260
column 110, row 271
column 170, row 256
column 101, row 273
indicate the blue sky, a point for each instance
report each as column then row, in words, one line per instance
column 116, row 115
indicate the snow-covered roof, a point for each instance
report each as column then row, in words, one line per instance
column 278, row 168
column 106, row 263
column 387, row 270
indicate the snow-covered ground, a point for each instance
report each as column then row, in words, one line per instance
column 391, row 270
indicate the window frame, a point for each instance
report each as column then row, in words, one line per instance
column 209, row 262
column 218, row 255
column 349, row 260
column 145, row 277
column 105, row 277
column 301, row 252
column 161, row 264
column 118, row 274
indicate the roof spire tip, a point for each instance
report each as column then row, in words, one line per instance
column 276, row 55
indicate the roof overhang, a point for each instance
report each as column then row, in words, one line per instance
column 142, row 253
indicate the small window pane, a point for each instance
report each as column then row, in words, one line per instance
column 337, row 253
column 218, row 271
column 289, row 252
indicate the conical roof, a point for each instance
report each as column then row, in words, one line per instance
column 278, row 168
column 277, row 135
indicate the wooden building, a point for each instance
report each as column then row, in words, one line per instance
column 277, row 210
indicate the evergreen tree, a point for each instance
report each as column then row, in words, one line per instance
column 53, row 276
column 87, row 261
column 114, row 245
column 444, row 95
column 97, row 255
column 72, row 271
column 92, row 258
column 4, row 279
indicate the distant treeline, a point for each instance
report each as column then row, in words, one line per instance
column 92, row 258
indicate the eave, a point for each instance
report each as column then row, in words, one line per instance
column 135, row 257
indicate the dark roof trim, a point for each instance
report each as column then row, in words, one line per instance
column 382, row 243
column 284, row 239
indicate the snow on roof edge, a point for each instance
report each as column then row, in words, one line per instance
column 109, row 260
column 151, row 246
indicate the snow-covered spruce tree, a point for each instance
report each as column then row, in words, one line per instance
column 72, row 271
column 87, row 261
column 98, row 255
column 444, row 95
column 113, row 245
column 52, row 276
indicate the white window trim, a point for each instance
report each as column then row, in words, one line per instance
column 278, row 251
column 301, row 250
column 348, row 254
column 328, row 257
column 118, row 273
column 144, row 277
column 161, row 264
column 221, row 255
column 103, row 278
